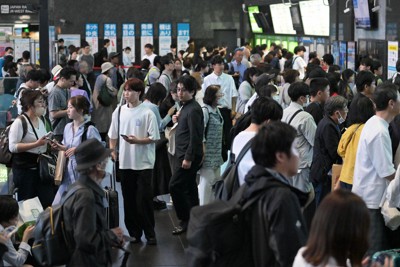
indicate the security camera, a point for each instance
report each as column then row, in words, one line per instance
column 244, row 8
column 63, row 21
column 347, row 10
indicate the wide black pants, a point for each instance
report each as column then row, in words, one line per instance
column 138, row 202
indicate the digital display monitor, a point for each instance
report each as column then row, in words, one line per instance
column 315, row 17
column 296, row 19
column 282, row 19
column 362, row 14
column 253, row 23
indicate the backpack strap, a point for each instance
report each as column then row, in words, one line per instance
column 70, row 192
column 85, row 130
column 243, row 152
column 206, row 129
column 294, row 115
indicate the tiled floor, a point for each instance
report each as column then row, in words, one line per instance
column 169, row 250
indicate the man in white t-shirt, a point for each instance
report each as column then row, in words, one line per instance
column 263, row 110
column 136, row 127
column 298, row 61
column 374, row 162
column 32, row 82
column 148, row 49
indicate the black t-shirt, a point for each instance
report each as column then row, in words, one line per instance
column 316, row 110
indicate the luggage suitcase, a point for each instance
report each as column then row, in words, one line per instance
column 394, row 254
column 112, row 211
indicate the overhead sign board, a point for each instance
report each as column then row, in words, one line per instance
column 16, row 9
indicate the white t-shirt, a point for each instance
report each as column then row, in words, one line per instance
column 228, row 88
column 250, row 102
column 150, row 58
column 141, row 122
column 16, row 132
column 374, row 161
column 299, row 64
column 247, row 162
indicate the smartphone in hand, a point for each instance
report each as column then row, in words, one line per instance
column 124, row 136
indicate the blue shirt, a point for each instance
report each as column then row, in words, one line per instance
column 239, row 67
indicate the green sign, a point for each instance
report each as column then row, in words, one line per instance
column 253, row 22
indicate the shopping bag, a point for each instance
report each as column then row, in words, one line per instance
column 60, row 167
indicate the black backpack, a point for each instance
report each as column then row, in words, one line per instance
column 51, row 246
column 226, row 187
column 219, row 233
column 289, row 63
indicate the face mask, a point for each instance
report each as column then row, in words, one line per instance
column 40, row 111
column 276, row 98
column 340, row 119
column 306, row 103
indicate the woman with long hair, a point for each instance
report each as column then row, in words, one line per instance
column 338, row 234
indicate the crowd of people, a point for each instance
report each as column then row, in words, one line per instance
column 168, row 125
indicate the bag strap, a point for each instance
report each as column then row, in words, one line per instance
column 33, row 128
column 208, row 122
column 243, row 152
column 70, row 192
column 119, row 120
column 294, row 115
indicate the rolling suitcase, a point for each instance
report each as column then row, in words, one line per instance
column 112, row 198
column 393, row 254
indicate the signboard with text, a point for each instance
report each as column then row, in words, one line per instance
column 17, row 9
column 110, row 32
column 165, row 39
column 92, row 36
column 183, row 36
column 146, row 36
column 128, row 38
column 393, row 54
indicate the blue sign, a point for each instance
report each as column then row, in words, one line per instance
column 128, row 30
column 165, row 29
column 184, row 29
column 110, row 30
column 146, row 29
column 92, row 30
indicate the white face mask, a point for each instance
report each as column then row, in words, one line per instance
column 276, row 98
column 305, row 104
column 340, row 119
column 40, row 111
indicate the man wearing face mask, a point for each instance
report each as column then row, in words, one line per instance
column 326, row 143
column 84, row 212
column 305, row 126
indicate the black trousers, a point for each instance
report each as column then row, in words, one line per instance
column 138, row 202
column 183, row 188
column 29, row 186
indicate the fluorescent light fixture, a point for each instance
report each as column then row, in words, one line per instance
column 22, row 25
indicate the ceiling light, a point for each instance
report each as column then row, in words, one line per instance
column 21, row 25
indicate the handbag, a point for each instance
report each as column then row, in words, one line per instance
column 60, row 167
column 47, row 162
column 47, row 167
column 104, row 97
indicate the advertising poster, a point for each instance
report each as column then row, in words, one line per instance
column 146, row 36
column 165, row 38
column 92, row 36
column 393, row 54
column 110, row 32
column 21, row 45
column 342, row 55
column 183, row 36
column 351, row 55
